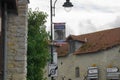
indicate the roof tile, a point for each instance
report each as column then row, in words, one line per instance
column 93, row 42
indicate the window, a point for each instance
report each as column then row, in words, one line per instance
column 72, row 46
column 77, row 73
column 78, row 45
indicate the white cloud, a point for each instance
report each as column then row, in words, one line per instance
column 86, row 27
column 115, row 23
column 43, row 5
column 85, row 16
column 99, row 5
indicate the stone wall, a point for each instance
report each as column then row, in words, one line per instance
column 17, row 43
column 102, row 59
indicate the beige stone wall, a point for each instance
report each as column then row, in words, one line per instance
column 102, row 59
column 17, row 43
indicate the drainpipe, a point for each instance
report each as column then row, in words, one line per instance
column 4, row 38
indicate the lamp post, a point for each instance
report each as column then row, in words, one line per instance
column 67, row 4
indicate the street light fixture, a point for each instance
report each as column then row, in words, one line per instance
column 67, row 4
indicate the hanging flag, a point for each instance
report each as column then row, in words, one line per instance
column 59, row 32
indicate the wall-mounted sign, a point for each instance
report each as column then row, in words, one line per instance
column 113, row 75
column 59, row 31
column 92, row 73
column 113, row 69
column 92, row 70
column 55, row 57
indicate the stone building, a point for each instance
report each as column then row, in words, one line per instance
column 13, row 39
column 93, row 56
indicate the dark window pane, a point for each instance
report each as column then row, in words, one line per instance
column 77, row 73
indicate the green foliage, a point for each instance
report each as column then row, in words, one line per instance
column 37, row 53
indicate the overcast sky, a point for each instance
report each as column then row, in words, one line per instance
column 86, row 16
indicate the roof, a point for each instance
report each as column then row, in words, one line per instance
column 63, row 50
column 94, row 42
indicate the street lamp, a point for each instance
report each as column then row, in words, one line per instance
column 67, row 4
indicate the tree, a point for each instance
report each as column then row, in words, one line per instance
column 37, row 53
